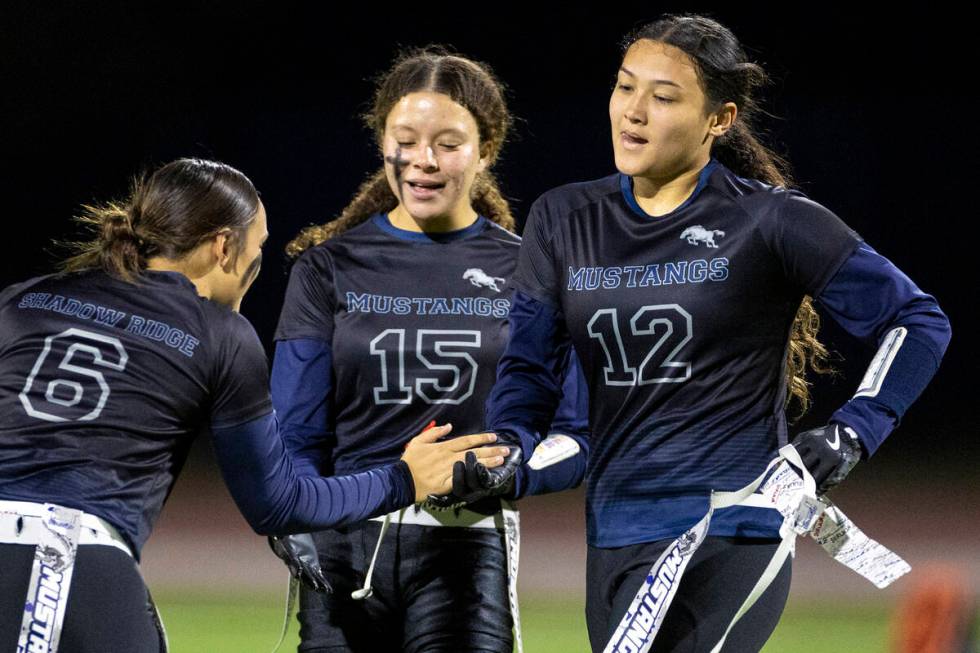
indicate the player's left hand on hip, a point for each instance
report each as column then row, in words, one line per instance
column 829, row 453
column 298, row 551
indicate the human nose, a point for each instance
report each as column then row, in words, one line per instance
column 426, row 159
column 633, row 111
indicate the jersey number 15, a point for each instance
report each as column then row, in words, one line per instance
column 449, row 374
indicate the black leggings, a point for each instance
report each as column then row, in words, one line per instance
column 109, row 609
column 436, row 589
column 718, row 579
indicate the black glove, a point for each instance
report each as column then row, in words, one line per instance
column 499, row 479
column 299, row 553
column 472, row 481
column 829, row 453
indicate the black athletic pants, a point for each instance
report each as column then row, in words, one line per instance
column 436, row 589
column 109, row 608
column 718, row 579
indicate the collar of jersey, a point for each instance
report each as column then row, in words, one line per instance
column 626, row 186
column 169, row 276
column 383, row 223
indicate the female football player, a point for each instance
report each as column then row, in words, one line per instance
column 107, row 372
column 684, row 282
column 395, row 316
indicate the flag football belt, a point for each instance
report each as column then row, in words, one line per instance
column 31, row 527
column 553, row 449
column 461, row 518
column 506, row 520
column 55, row 532
column 789, row 489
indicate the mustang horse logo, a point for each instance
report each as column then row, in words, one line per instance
column 481, row 279
column 698, row 234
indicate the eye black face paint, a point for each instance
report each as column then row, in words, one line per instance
column 399, row 164
column 252, row 271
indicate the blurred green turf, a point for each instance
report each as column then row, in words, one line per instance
column 251, row 624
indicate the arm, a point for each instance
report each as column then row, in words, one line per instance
column 572, row 421
column 875, row 302
column 528, row 389
column 527, row 392
column 276, row 500
column 522, row 405
column 878, row 304
column 302, row 387
column 261, row 476
column 302, row 370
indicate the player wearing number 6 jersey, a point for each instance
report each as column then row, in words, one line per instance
column 396, row 315
column 108, row 372
column 683, row 283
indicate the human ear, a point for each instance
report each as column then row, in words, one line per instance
column 486, row 157
column 222, row 249
column 723, row 119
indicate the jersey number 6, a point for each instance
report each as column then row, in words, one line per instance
column 74, row 388
column 438, row 351
column 670, row 327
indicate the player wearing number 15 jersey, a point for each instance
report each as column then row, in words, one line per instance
column 108, row 372
column 683, row 282
column 395, row 316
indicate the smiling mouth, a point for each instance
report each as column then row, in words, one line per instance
column 425, row 185
column 632, row 139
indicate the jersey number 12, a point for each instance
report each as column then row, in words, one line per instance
column 666, row 326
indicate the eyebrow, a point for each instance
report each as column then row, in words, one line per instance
column 655, row 81
column 442, row 132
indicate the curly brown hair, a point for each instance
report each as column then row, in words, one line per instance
column 470, row 84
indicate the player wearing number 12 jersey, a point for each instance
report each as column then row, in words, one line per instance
column 683, row 282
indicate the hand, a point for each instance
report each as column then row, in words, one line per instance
column 473, row 480
column 828, row 453
column 299, row 553
column 431, row 462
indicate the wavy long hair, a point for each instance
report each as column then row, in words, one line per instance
column 470, row 84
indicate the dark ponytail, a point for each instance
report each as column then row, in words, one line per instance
column 167, row 214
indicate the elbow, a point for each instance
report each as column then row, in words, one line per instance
column 938, row 333
column 271, row 514
column 945, row 328
column 264, row 531
column 929, row 325
column 266, row 523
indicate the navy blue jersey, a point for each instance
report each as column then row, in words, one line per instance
column 681, row 324
column 412, row 324
column 104, row 384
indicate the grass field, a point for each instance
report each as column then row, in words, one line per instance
column 222, row 624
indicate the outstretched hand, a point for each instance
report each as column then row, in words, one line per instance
column 431, row 462
column 472, row 480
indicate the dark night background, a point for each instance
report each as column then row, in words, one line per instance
column 872, row 111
